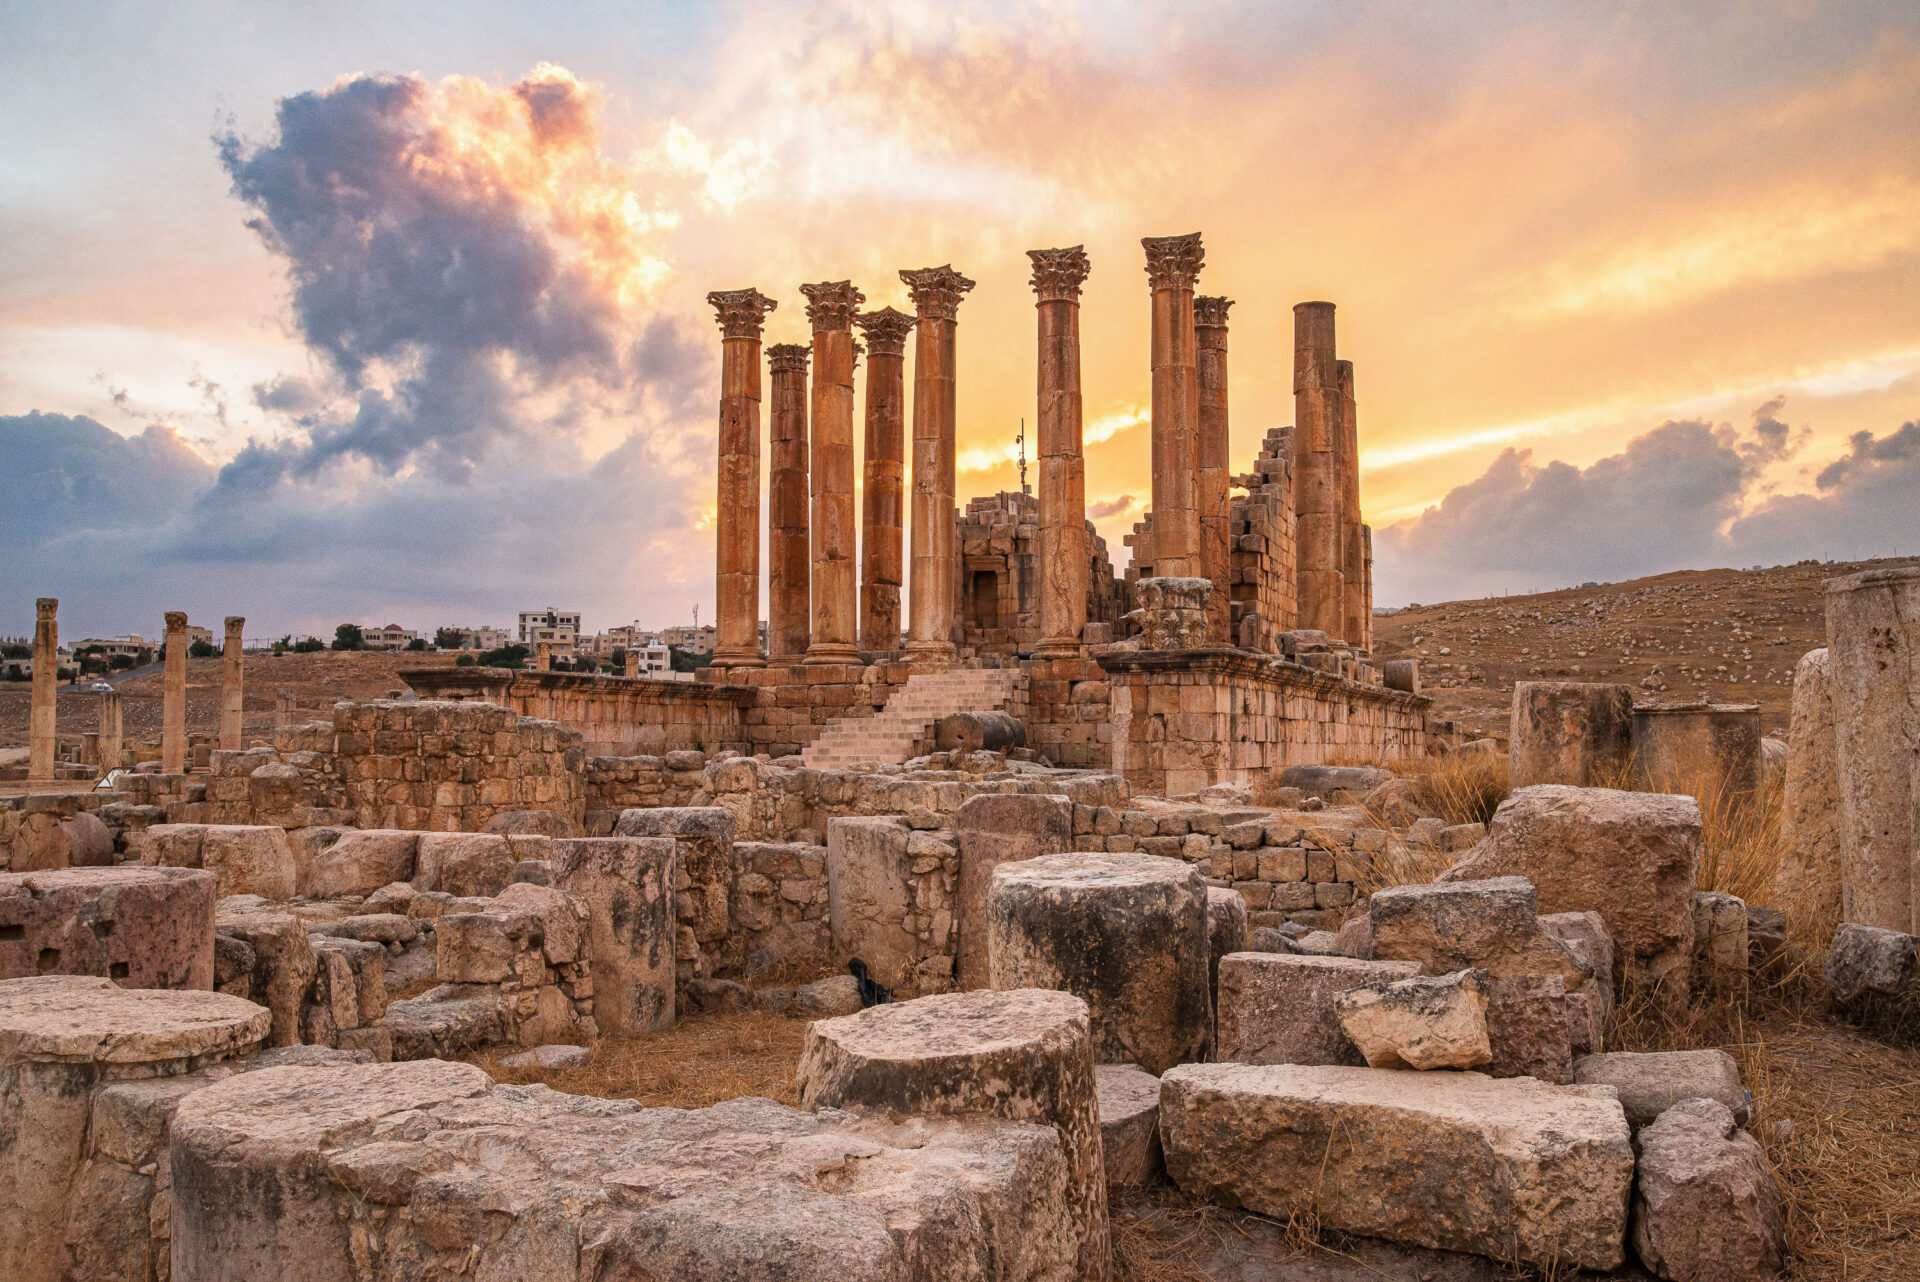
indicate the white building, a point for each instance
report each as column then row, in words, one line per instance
column 390, row 636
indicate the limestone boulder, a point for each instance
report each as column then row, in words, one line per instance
column 1512, row 1169
column 361, row 861
column 1330, row 782
column 1874, row 976
column 1650, row 1082
column 1570, row 732
column 870, row 895
column 1490, row 925
column 140, row 927
column 89, row 841
column 1632, row 857
column 1279, row 1008
column 1420, row 1023
column 532, row 823
column 244, row 859
column 627, row 885
column 464, row 863
column 994, row 829
column 283, row 969
column 1529, row 1028
column 1705, row 1206
column 427, row 1170
column 705, row 836
column 1720, row 949
column 1129, row 1124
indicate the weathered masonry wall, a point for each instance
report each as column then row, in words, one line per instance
column 615, row 716
column 1187, row 719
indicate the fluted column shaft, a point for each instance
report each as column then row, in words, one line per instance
column 1058, row 275
column 232, row 693
column 1214, row 475
column 936, row 298
column 882, row 529
column 43, row 728
column 173, row 697
column 736, row 616
column 1173, row 264
column 789, row 613
column 830, row 308
column 1353, row 549
column 1317, row 486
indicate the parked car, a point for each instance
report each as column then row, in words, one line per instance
column 99, row 687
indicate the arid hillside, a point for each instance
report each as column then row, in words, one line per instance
column 1728, row 635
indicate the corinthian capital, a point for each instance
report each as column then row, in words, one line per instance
column 885, row 331
column 740, row 311
column 46, row 607
column 1210, row 312
column 1173, row 262
column 176, row 620
column 936, row 291
column 788, row 356
column 1058, row 274
column 831, row 303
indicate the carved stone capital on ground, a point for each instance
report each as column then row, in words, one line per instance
column 1210, row 311
column 885, row 331
column 936, row 291
column 1173, row 262
column 788, row 356
column 831, row 304
column 1058, row 274
column 741, row 312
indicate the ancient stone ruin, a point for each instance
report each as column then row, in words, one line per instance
column 1072, row 874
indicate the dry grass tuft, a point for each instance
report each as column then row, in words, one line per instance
column 701, row 1060
column 1462, row 787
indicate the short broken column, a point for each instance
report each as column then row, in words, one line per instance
column 285, row 704
column 61, row 1038
column 870, row 895
column 994, row 829
column 543, row 656
column 232, row 694
column 703, row 837
column 1125, row 933
column 1710, row 751
column 112, row 750
column 173, row 697
column 1024, row 1055
column 1809, row 872
column 789, row 561
column 1873, row 655
column 628, row 885
column 140, row 927
column 43, row 735
column 630, row 662
column 1571, row 732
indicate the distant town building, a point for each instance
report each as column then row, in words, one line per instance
column 560, row 629
column 195, row 633
column 689, row 640
column 108, row 647
column 389, row 636
column 481, row 638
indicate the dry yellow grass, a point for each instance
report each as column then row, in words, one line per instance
column 1462, row 787
column 701, row 1060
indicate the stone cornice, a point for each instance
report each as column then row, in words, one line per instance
column 1229, row 661
column 936, row 291
column 885, row 331
column 831, row 304
column 741, row 312
column 788, row 356
column 1173, row 262
column 1210, row 311
column 1058, row 274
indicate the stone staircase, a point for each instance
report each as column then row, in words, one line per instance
column 890, row 734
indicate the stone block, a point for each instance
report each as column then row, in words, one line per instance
column 1512, row 1169
column 140, row 927
column 463, row 863
column 1420, row 1023
column 1650, row 1082
column 1491, row 925
column 244, row 859
column 1278, row 1008
column 993, row 829
column 1129, row 1125
column 870, row 896
column 627, row 884
column 1578, row 733
column 361, row 862
column 1705, row 1205
column 1529, row 1028
column 1632, row 857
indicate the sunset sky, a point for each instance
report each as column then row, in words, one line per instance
column 394, row 312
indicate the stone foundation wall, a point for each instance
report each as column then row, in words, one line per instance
column 789, row 706
column 1263, row 546
column 614, row 784
column 445, row 766
column 614, row 716
column 1193, row 718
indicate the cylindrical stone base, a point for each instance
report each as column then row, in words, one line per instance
column 1126, row 933
column 1710, row 751
column 140, row 927
column 992, row 829
column 979, row 731
column 61, row 1038
column 1024, row 1056
column 1571, row 732
column 1873, row 655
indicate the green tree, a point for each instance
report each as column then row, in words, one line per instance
column 309, row 645
column 507, row 656
column 464, row 661
column 201, row 650
column 349, row 637
column 121, row 662
column 417, row 644
column 448, row 639
column 284, row 644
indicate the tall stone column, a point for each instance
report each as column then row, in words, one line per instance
column 543, row 656
column 789, row 614
column 173, row 697
column 836, row 607
column 1321, row 584
column 738, row 513
column 112, row 737
column 736, row 615
column 1358, row 605
column 630, row 662
column 1173, row 264
column 883, row 515
column 232, row 694
column 1212, row 479
column 1058, row 275
column 43, row 732
column 930, row 606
